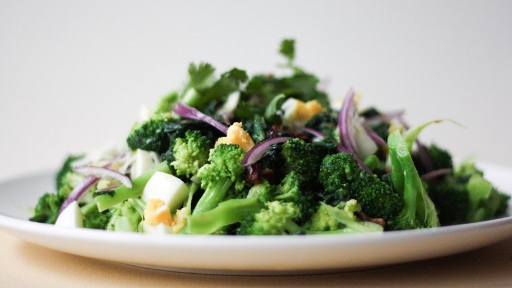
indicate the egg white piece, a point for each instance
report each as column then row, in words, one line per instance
column 71, row 217
column 166, row 187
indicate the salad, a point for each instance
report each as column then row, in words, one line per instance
column 267, row 155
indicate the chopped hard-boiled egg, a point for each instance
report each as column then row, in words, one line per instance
column 143, row 161
column 237, row 135
column 163, row 194
column 299, row 112
column 158, row 219
column 170, row 189
column 157, row 212
column 71, row 217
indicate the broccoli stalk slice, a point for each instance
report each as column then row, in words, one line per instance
column 226, row 213
column 419, row 210
column 110, row 198
column 213, row 195
column 350, row 222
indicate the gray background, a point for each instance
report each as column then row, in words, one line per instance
column 74, row 74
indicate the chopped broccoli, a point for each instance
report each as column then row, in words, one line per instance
column 344, row 179
column 150, row 135
column 263, row 191
column 336, row 172
column 93, row 218
column 304, row 158
column 223, row 170
column 225, row 213
column 68, row 182
column 341, row 219
column 127, row 215
column 275, row 219
column 190, row 153
column 465, row 196
column 47, row 208
column 48, row 205
column 418, row 210
column 435, row 158
column 293, row 190
column 65, row 169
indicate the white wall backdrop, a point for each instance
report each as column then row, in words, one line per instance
column 73, row 74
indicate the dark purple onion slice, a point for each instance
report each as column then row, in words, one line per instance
column 346, row 123
column 261, row 149
column 192, row 113
column 103, row 172
column 314, row 132
column 374, row 136
column 78, row 191
column 435, row 173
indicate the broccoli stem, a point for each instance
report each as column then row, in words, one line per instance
column 212, row 196
column 226, row 213
column 419, row 210
column 121, row 193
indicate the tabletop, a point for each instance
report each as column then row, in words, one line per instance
column 24, row 264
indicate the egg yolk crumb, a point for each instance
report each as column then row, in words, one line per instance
column 157, row 212
column 237, row 135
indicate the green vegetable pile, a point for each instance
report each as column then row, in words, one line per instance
column 268, row 155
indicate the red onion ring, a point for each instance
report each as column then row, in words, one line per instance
column 261, row 149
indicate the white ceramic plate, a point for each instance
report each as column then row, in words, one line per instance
column 247, row 254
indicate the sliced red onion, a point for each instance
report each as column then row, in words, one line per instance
column 192, row 113
column 103, row 172
column 436, row 173
column 314, row 132
column 261, row 149
column 374, row 136
column 78, row 191
column 346, row 123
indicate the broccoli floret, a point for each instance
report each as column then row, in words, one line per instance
column 150, row 135
column 226, row 213
column 190, row 153
column 344, row 179
column 465, row 196
column 47, row 208
column 303, row 158
column 93, row 218
column 68, row 182
column 263, row 191
column 436, row 158
column 336, row 172
column 223, row 171
column 127, row 215
column 66, row 179
column 340, row 219
column 293, row 190
column 418, row 210
column 275, row 219
column 65, row 169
